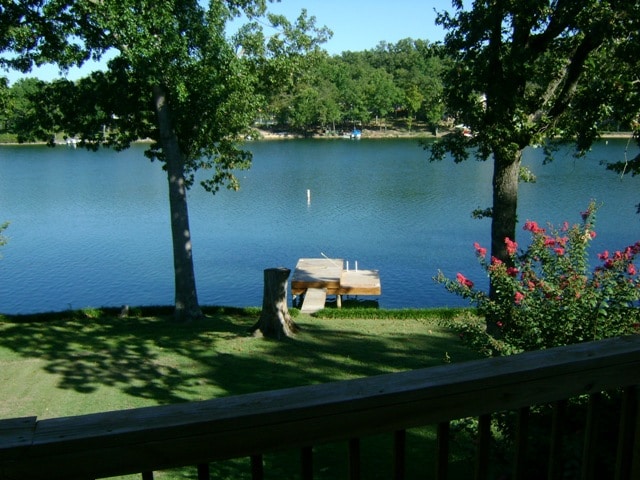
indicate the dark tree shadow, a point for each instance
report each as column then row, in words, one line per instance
column 157, row 359
column 105, row 350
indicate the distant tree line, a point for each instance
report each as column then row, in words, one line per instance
column 375, row 88
column 401, row 83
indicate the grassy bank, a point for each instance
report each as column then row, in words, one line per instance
column 88, row 361
column 92, row 360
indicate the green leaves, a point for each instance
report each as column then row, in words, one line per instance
column 3, row 239
column 535, row 62
column 551, row 296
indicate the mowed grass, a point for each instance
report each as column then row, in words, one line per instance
column 90, row 361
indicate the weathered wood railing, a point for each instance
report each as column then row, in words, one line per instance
column 147, row 439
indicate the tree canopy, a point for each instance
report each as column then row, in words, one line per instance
column 527, row 73
column 516, row 73
column 532, row 72
column 175, row 78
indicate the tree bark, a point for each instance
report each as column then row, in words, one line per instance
column 506, row 172
column 186, row 297
column 275, row 320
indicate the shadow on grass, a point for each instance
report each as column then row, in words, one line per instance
column 98, row 349
column 149, row 356
column 156, row 359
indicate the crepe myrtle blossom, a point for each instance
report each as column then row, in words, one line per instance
column 464, row 281
column 550, row 293
column 480, row 251
column 532, row 227
column 512, row 247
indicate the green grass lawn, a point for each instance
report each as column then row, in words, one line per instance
column 89, row 361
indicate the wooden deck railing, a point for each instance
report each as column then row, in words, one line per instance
column 147, row 439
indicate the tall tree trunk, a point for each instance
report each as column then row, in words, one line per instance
column 506, row 171
column 186, row 297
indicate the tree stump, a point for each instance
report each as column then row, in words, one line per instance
column 275, row 320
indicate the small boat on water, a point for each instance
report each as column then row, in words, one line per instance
column 356, row 134
column 466, row 131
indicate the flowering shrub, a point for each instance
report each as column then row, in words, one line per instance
column 548, row 296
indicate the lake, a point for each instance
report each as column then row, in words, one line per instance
column 92, row 229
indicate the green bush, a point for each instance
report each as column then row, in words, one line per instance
column 548, row 296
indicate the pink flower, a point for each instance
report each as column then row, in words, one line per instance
column 496, row 261
column 592, row 233
column 631, row 269
column 500, row 324
column 604, row 255
column 480, row 251
column 532, row 227
column 512, row 271
column 518, row 297
column 464, row 281
column 512, row 246
column 559, row 251
column 549, row 242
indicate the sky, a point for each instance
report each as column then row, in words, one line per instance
column 356, row 26
column 362, row 25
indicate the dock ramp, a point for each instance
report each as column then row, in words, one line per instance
column 314, row 300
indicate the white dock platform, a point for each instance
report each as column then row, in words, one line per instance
column 328, row 275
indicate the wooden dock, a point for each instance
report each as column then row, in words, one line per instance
column 327, row 275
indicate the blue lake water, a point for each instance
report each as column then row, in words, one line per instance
column 92, row 229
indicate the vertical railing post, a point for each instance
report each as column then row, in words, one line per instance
column 399, row 452
column 590, row 454
column 484, row 440
column 354, row 459
column 306, row 455
column 522, row 436
column 635, row 460
column 203, row 471
column 628, row 418
column 257, row 467
column 555, row 470
column 442, row 451
column 628, row 434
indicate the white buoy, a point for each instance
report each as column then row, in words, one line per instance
column 308, row 195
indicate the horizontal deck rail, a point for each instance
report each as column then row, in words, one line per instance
column 154, row 438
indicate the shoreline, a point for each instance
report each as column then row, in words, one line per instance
column 391, row 134
column 388, row 133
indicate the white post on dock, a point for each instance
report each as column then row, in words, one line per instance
column 347, row 266
column 308, row 196
column 356, row 265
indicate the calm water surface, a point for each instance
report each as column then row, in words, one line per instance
column 92, row 229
